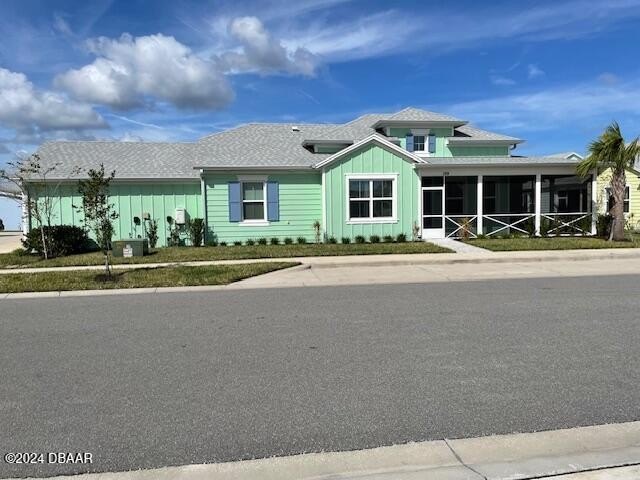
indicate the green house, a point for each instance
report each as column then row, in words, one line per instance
column 416, row 172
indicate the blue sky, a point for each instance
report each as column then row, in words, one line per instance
column 554, row 73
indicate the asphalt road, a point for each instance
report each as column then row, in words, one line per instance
column 145, row 381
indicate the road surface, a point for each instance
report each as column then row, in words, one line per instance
column 144, row 381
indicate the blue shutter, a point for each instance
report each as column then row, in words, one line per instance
column 273, row 202
column 410, row 142
column 235, row 202
column 432, row 144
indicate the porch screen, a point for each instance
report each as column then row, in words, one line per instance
column 461, row 204
column 508, row 204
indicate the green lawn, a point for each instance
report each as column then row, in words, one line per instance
column 138, row 278
column 552, row 243
column 185, row 254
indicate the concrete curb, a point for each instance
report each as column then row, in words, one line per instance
column 381, row 260
column 500, row 457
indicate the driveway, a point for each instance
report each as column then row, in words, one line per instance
column 9, row 241
column 150, row 380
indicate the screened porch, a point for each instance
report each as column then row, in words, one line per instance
column 495, row 205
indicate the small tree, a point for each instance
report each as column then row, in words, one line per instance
column 610, row 151
column 195, row 228
column 98, row 212
column 38, row 187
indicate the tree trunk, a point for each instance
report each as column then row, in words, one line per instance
column 618, row 184
column 44, row 242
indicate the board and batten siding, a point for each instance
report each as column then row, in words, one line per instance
column 633, row 181
column 132, row 200
column 373, row 160
column 300, row 205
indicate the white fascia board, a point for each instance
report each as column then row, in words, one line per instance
column 485, row 142
column 374, row 138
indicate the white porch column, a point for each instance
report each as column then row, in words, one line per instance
column 479, row 223
column 538, row 198
column 594, row 202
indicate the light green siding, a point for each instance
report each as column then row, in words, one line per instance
column 441, row 139
column 443, row 150
column 475, row 151
column 371, row 159
column 132, row 200
column 300, row 201
column 633, row 181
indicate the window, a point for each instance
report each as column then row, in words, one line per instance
column 626, row 199
column 371, row 199
column 418, row 143
column 253, row 201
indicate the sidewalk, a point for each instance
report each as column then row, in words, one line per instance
column 385, row 260
column 602, row 452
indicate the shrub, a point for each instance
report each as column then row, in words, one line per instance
column 237, row 243
column 332, row 240
column 195, row 228
column 63, row 240
column 374, row 239
column 262, row 241
column 302, row 240
column 603, row 225
column 345, row 240
column 401, row 238
column 360, row 239
column 152, row 233
column 288, row 241
column 251, row 242
column 275, row 241
column 387, row 239
column 317, row 230
column 223, row 244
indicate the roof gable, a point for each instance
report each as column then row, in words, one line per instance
column 376, row 139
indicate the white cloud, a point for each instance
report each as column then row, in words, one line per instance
column 26, row 109
column 608, row 78
column 533, row 71
column 502, row 81
column 262, row 53
column 61, row 25
column 132, row 71
column 565, row 107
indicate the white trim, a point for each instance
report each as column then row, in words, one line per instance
column 371, row 177
column 374, row 138
column 538, row 205
column 254, row 223
column 203, row 195
column 594, row 203
column 253, row 179
column 479, row 204
column 324, row 201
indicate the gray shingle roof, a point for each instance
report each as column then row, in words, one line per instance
column 411, row 114
column 355, row 130
column 128, row 159
column 262, row 144
column 471, row 133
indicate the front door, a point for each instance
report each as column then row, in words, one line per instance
column 432, row 207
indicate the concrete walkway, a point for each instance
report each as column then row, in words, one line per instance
column 9, row 241
column 599, row 450
column 459, row 247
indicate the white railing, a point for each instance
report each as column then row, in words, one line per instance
column 517, row 225
column 567, row 223
column 462, row 224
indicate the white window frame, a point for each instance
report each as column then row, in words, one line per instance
column 607, row 194
column 253, row 179
column 371, row 219
column 423, row 133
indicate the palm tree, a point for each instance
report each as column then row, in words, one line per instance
column 610, row 151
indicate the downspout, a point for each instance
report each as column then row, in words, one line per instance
column 203, row 196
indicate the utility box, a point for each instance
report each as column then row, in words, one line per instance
column 181, row 216
column 134, row 247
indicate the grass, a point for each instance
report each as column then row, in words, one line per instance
column 141, row 277
column 190, row 254
column 551, row 243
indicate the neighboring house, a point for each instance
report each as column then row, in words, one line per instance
column 415, row 172
column 631, row 197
